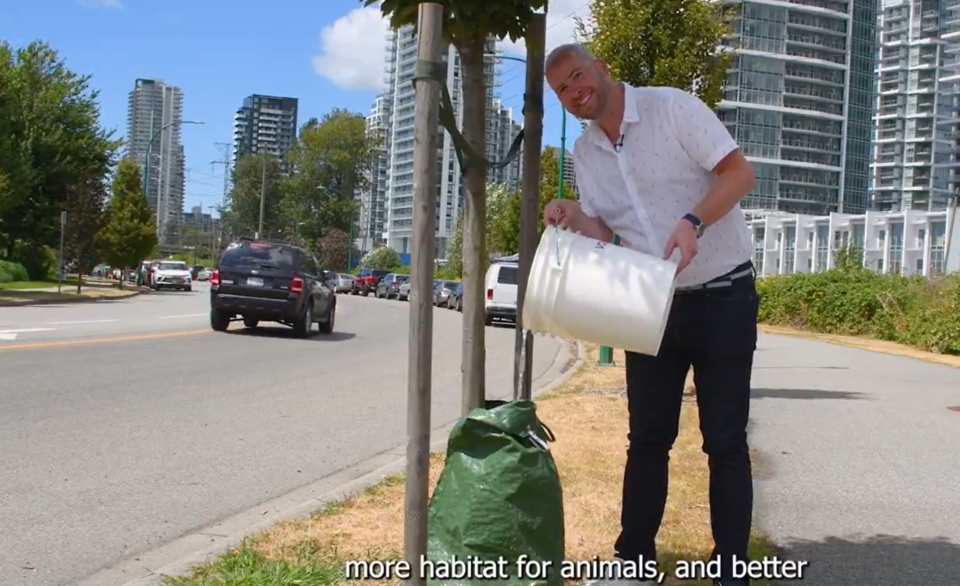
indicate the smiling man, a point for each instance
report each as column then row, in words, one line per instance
column 656, row 167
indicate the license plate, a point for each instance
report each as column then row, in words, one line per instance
column 255, row 282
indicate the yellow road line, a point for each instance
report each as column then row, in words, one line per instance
column 104, row 340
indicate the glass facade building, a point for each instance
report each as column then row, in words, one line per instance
column 914, row 160
column 398, row 176
column 799, row 102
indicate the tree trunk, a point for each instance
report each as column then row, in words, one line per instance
column 79, row 280
column 474, row 225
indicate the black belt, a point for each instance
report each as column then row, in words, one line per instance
column 741, row 272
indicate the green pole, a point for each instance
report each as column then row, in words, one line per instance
column 606, row 352
column 350, row 240
column 563, row 150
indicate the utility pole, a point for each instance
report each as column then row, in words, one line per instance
column 263, row 191
column 213, row 254
column 224, row 148
column 63, row 228
column 420, row 341
column 530, row 196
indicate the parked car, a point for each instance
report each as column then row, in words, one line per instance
column 389, row 286
column 403, row 292
column 343, row 283
column 442, row 290
column 171, row 274
column 500, row 284
column 267, row 281
column 455, row 300
column 367, row 280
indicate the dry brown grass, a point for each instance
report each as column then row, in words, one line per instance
column 589, row 418
column 870, row 344
column 67, row 294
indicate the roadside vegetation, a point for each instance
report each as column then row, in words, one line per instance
column 851, row 300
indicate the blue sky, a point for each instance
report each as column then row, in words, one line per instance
column 326, row 53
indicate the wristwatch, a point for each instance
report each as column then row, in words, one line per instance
column 697, row 223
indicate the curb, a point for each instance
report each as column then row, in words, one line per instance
column 71, row 300
column 204, row 544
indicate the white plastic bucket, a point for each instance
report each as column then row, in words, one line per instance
column 592, row 291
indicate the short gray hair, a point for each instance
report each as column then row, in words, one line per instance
column 575, row 49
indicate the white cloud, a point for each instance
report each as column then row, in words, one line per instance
column 353, row 50
column 100, row 3
column 561, row 26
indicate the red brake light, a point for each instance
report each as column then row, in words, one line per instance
column 215, row 277
column 297, row 285
column 489, row 293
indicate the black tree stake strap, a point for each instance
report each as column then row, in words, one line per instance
column 428, row 70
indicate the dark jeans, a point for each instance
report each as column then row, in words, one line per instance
column 715, row 331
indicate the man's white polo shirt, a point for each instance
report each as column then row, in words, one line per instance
column 670, row 142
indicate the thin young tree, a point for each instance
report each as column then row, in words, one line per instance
column 470, row 25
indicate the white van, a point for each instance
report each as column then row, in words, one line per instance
column 500, row 285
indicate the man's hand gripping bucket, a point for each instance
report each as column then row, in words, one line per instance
column 584, row 289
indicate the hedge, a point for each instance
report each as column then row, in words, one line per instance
column 11, row 271
column 919, row 312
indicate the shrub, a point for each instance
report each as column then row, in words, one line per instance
column 924, row 313
column 11, row 271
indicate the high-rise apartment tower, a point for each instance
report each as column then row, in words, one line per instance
column 799, row 102
column 265, row 124
column 401, row 63
column 915, row 123
column 155, row 112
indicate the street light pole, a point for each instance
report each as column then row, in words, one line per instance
column 353, row 211
column 563, row 129
column 146, row 161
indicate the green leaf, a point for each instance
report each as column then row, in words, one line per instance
column 662, row 43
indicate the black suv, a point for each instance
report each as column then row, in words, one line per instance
column 267, row 281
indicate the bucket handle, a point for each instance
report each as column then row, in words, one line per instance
column 556, row 241
column 557, row 263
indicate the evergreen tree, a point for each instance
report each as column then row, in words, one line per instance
column 130, row 232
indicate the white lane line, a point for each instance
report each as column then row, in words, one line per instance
column 10, row 335
column 89, row 321
column 183, row 316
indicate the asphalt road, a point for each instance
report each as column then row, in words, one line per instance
column 127, row 424
column 859, row 468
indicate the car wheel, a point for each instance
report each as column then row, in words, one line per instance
column 459, row 304
column 251, row 322
column 305, row 323
column 488, row 320
column 219, row 320
column 327, row 326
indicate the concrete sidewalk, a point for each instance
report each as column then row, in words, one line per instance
column 858, row 470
